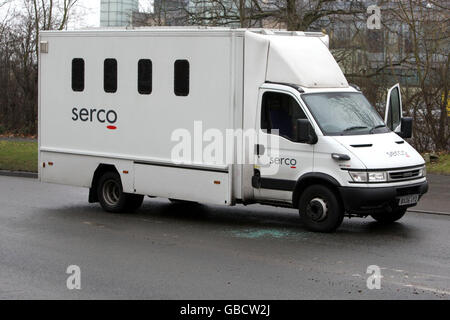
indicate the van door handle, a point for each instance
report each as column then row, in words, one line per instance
column 259, row 149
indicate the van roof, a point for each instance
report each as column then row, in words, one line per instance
column 297, row 57
column 185, row 29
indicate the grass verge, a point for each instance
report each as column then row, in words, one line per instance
column 18, row 155
column 441, row 166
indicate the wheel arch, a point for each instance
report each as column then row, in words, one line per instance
column 312, row 178
column 101, row 169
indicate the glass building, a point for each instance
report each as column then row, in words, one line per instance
column 117, row 13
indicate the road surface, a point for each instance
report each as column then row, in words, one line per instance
column 173, row 251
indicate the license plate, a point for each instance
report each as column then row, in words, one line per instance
column 406, row 200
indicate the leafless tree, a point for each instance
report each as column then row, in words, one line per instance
column 19, row 33
column 428, row 55
column 412, row 48
column 50, row 15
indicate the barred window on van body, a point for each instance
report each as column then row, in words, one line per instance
column 78, row 74
column 110, row 75
column 181, row 77
column 145, row 74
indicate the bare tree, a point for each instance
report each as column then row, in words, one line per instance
column 50, row 15
column 19, row 34
column 286, row 14
column 429, row 56
column 415, row 46
column 411, row 48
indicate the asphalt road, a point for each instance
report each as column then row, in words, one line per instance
column 437, row 198
column 168, row 251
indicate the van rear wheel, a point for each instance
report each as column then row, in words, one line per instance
column 111, row 196
column 320, row 209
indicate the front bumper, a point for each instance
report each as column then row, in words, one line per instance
column 364, row 201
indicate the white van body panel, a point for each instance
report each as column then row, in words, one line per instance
column 324, row 163
column 171, row 182
column 306, row 62
column 143, row 120
column 381, row 151
column 75, row 169
column 145, row 123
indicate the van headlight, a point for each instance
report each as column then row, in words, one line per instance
column 423, row 172
column 362, row 176
column 377, row 176
column 358, row 176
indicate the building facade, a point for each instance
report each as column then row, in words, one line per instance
column 117, row 13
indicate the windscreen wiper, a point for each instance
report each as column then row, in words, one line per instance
column 377, row 127
column 354, row 128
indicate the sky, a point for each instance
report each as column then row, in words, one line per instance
column 89, row 12
column 86, row 11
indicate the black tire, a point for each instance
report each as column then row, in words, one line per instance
column 111, row 196
column 134, row 202
column 389, row 217
column 320, row 209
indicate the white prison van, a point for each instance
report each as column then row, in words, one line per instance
column 115, row 106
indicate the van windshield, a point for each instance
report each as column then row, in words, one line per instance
column 344, row 113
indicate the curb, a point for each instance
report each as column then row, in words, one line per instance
column 22, row 174
column 439, row 213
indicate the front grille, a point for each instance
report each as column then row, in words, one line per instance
column 405, row 174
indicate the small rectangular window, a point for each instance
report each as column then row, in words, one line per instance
column 78, row 74
column 110, row 75
column 145, row 76
column 181, row 78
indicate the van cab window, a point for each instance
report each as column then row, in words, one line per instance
column 280, row 111
column 344, row 113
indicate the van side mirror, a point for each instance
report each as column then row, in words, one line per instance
column 305, row 132
column 406, row 128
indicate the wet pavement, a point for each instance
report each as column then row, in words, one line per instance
column 178, row 251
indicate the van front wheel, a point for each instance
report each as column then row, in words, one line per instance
column 320, row 209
